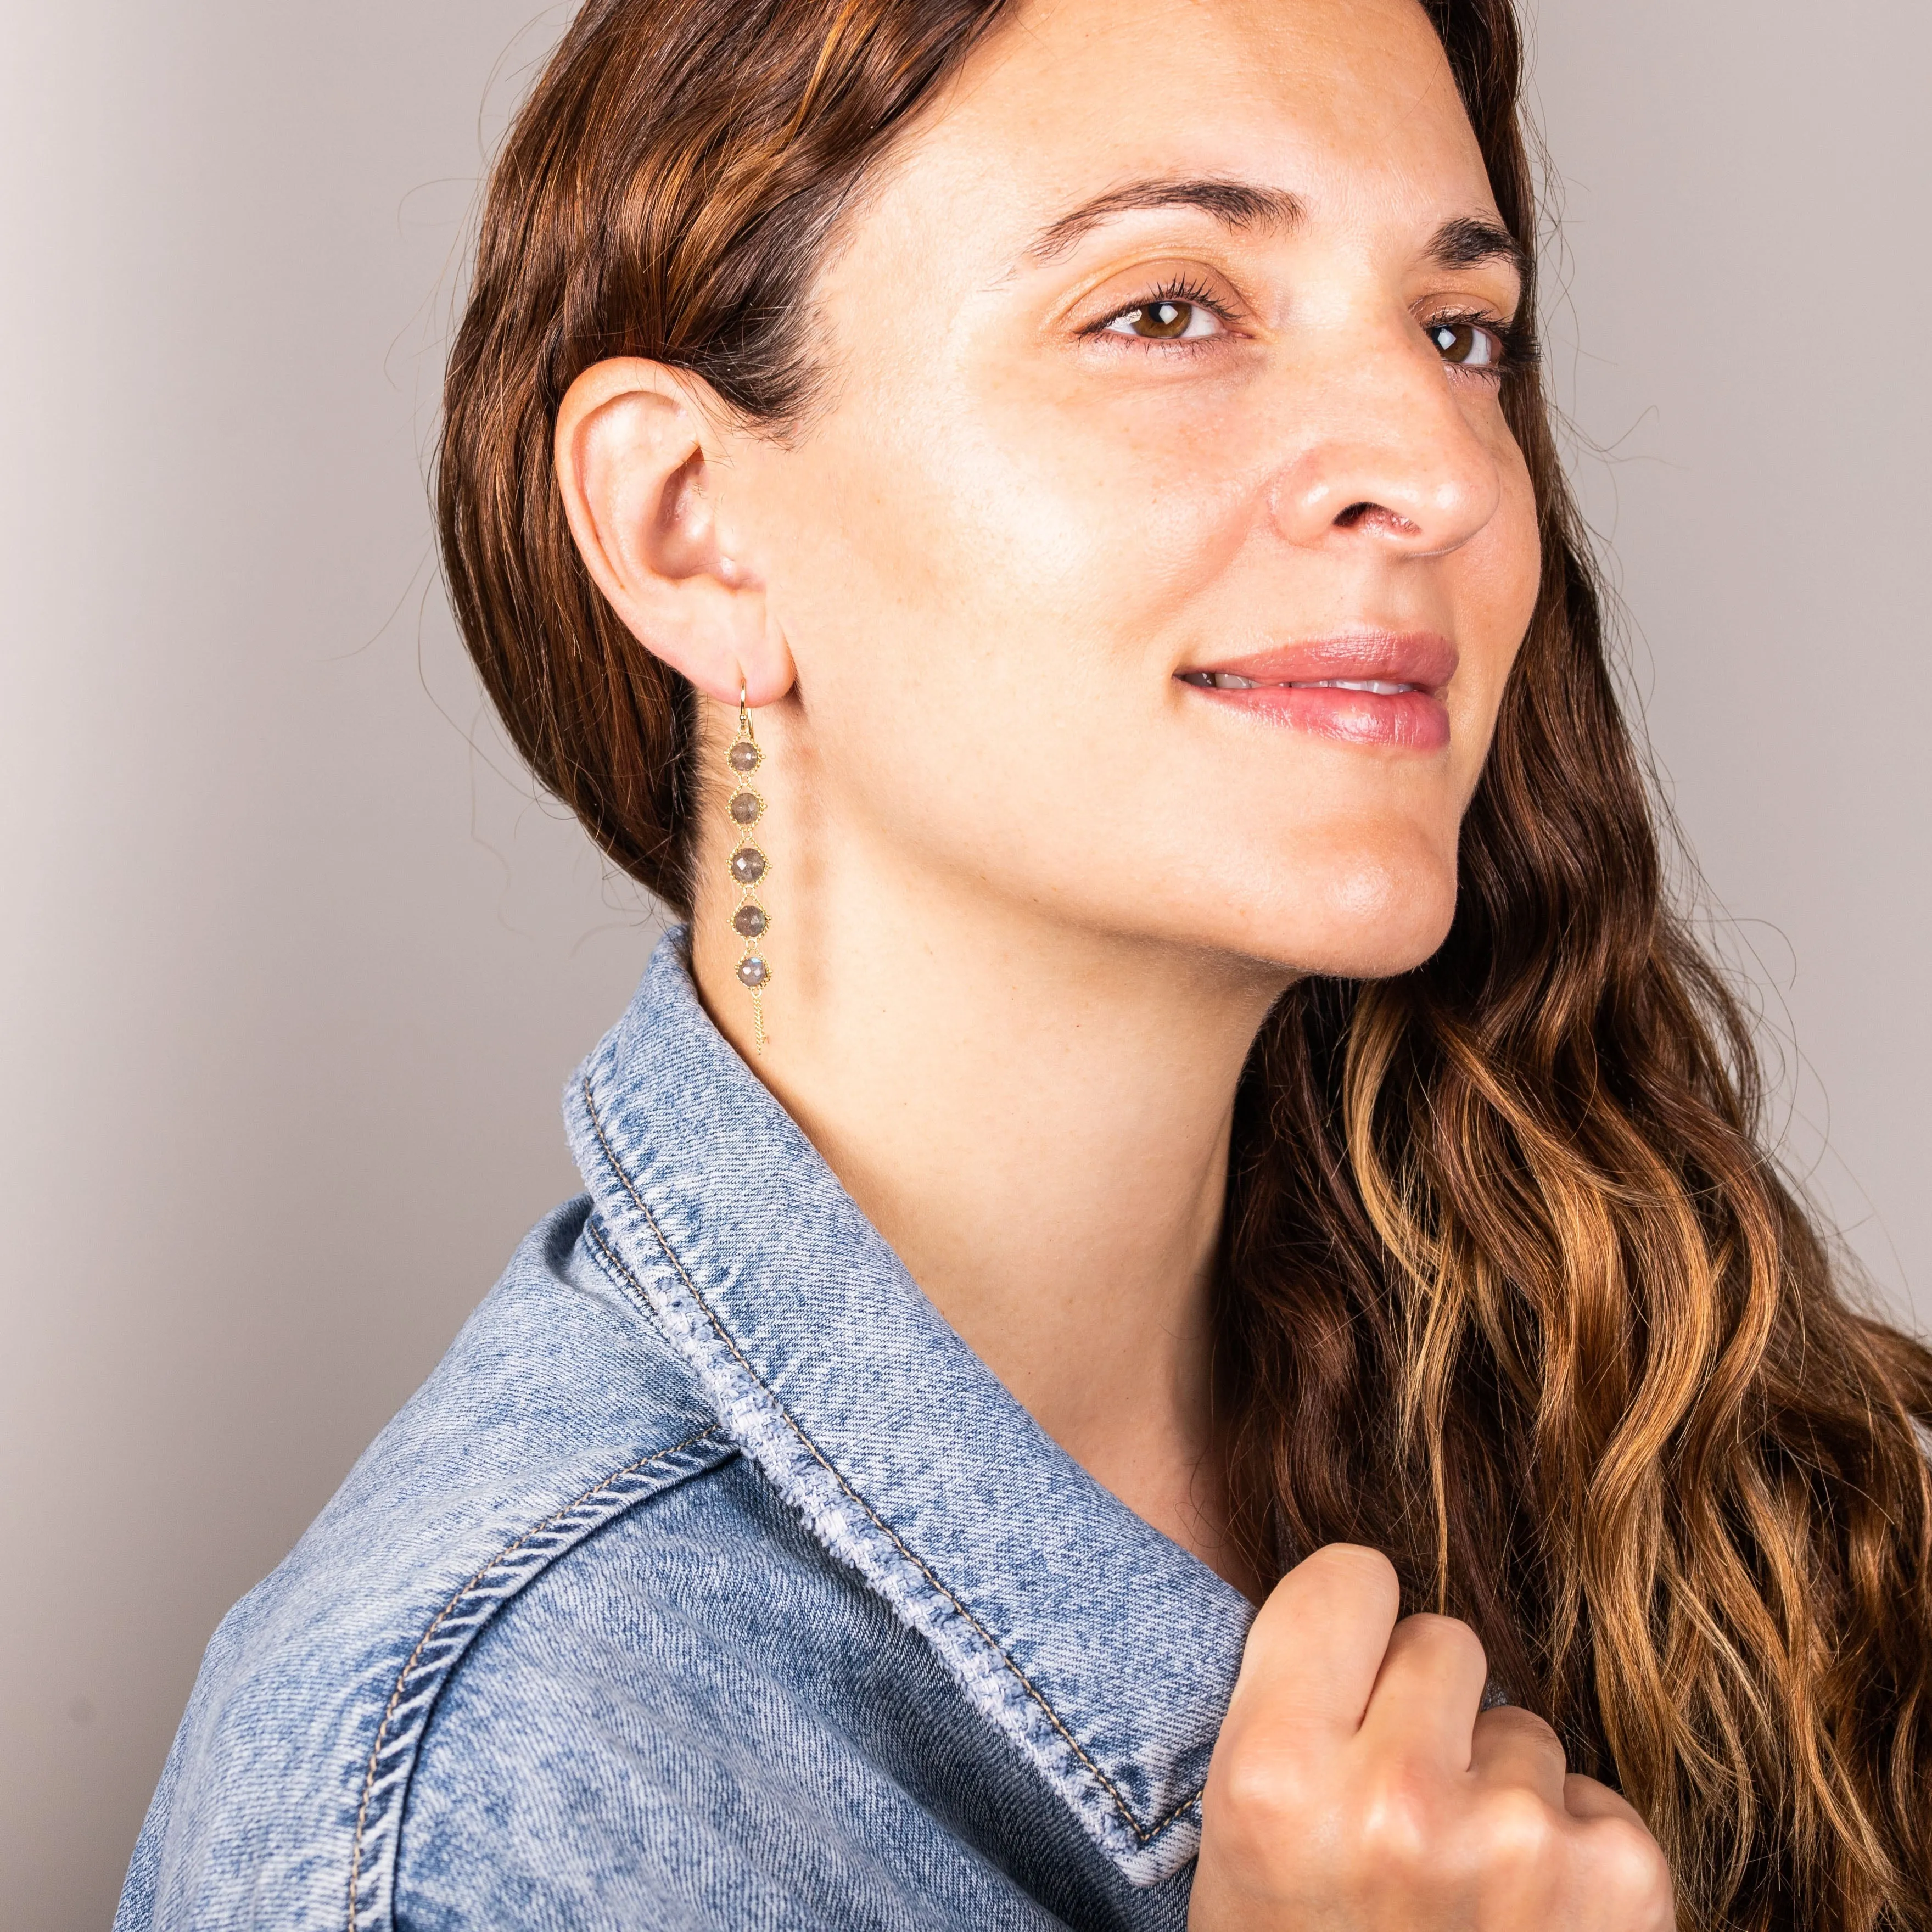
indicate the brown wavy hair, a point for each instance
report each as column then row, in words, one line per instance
column 1512, row 1289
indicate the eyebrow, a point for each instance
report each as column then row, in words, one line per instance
column 1464, row 241
column 1469, row 242
column 1234, row 204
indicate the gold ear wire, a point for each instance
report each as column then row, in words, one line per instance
column 751, row 922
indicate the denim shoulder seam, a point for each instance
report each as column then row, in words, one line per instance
column 621, row 1278
column 1145, row 1834
column 446, row 1641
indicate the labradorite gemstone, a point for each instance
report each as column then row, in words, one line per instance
column 754, row 971
column 746, row 806
column 745, row 756
column 748, row 865
column 751, row 922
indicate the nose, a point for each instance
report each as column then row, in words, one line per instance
column 1384, row 451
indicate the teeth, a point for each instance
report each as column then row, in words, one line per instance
column 1226, row 680
column 1374, row 686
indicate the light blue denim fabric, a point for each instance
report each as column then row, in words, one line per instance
column 710, row 1582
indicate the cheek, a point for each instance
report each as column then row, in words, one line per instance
column 1005, row 568
column 1064, row 559
column 1010, row 511
column 1125, row 520
column 1514, row 568
column 1525, row 582
column 1494, row 584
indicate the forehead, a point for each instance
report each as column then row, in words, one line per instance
column 1348, row 105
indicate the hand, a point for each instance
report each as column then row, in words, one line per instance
column 1358, row 1785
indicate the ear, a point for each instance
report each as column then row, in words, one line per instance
column 638, row 461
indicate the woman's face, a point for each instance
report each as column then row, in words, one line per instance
column 1164, row 353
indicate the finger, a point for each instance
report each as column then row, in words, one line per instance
column 1513, row 1747
column 1585, row 1798
column 1428, row 1691
column 1314, row 1651
column 1628, row 1872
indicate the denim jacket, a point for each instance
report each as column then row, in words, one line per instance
column 710, row 1582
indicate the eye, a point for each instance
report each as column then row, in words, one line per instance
column 1165, row 319
column 1466, row 343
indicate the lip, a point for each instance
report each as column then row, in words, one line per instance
column 1300, row 685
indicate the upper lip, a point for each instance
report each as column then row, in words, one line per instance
column 1423, row 659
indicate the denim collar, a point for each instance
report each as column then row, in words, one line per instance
column 1105, row 1651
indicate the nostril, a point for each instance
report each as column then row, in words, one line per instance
column 1378, row 516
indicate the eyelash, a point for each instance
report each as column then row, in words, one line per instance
column 1180, row 289
column 1519, row 344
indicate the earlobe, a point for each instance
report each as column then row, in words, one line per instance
column 637, row 451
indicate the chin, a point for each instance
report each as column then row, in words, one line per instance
column 1370, row 920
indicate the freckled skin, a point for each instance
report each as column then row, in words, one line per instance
column 1003, row 538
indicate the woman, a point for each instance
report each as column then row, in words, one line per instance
column 1033, row 523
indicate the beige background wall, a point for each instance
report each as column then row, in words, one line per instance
column 292, row 973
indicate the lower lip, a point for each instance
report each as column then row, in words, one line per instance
column 1409, row 721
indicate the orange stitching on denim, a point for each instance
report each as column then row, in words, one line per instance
column 442, row 1615
column 1146, row 1835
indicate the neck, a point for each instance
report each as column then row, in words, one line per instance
column 1036, row 1118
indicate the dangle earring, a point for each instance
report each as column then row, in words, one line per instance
column 751, row 922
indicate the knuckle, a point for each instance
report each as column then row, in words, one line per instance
column 1510, row 1723
column 1401, row 1820
column 1518, row 1832
column 1625, row 1860
column 1513, row 1720
column 1447, row 1640
column 1255, row 1793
